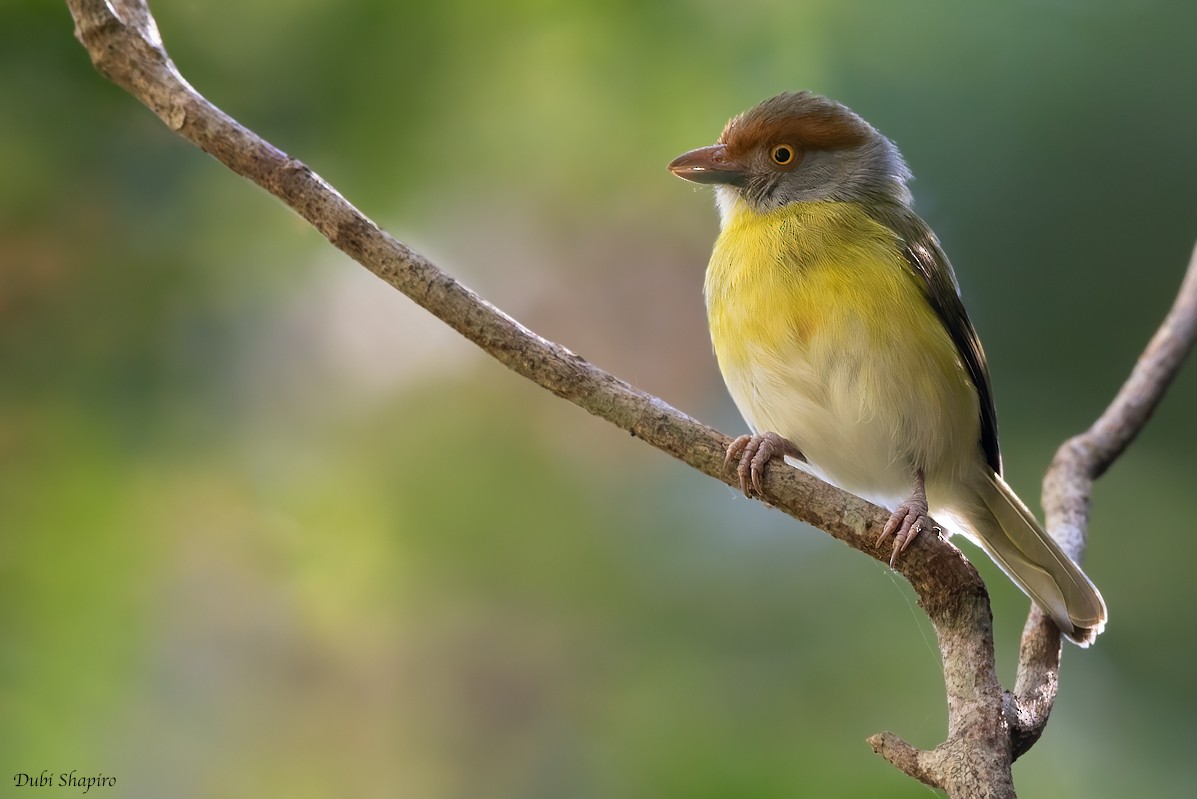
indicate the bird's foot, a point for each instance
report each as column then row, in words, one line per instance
column 910, row 519
column 754, row 453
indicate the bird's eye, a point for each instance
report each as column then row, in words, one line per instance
column 782, row 154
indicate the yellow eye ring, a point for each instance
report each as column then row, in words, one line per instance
column 783, row 154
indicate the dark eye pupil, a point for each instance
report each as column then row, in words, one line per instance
column 782, row 155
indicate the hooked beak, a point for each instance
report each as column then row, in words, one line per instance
column 709, row 165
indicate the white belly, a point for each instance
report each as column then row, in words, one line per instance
column 866, row 418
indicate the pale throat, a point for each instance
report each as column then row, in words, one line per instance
column 730, row 204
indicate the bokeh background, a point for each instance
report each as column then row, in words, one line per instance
column 268, row 529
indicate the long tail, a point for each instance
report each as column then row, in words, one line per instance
column 1028, row 555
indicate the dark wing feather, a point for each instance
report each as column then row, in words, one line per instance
column 928, row 262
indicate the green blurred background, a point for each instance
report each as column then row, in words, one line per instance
column 268, row 529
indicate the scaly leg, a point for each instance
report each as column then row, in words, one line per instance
column 754, row 453
column 908, row 520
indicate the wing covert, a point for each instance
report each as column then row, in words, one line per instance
column 928, row 262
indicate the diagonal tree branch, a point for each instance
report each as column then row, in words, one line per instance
column 986, row 728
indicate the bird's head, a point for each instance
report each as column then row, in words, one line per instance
column 798, row 147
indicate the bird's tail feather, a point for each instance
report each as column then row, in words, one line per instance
column 1025, row 552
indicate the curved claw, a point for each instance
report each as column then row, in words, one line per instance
column 754, row 453
column 907, row 521
column 904, row 532
column 734, row 449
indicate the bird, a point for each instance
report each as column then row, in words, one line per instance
column 839, row 329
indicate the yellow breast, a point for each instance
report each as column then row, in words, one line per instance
column 825, row 336
column 776, row 279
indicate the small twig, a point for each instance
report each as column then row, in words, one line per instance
column 1068, row 491
column 908, row 759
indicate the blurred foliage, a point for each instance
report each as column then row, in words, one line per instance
column 263, row 524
